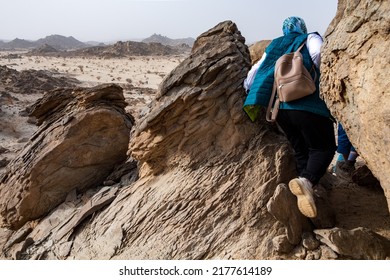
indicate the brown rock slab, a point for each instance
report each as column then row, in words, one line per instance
column 83, row 133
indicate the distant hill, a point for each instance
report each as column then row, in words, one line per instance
column 130, row 48
column 44, row 49
column 19, row 44
column 69, row 46
column 56, row 41
column 157, row 38
column 61, row 42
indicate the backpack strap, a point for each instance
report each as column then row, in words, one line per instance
column 313, row 67
column 301, row 46
column 272, row 111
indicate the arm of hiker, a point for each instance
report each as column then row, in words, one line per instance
column 252, row 73
column 314, row 43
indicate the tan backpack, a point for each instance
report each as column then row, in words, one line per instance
column 292, row 81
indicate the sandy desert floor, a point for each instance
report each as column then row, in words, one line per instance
column 144, row 73
column 139, row 71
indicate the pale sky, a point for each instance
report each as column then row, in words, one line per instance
column 112, row 20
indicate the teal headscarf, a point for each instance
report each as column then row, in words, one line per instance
column 294, row 24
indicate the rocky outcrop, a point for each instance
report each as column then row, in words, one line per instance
column 129, row 48
column 44, row 49
column 158, row 38
column 206, row 175
column 31, row 81
column 84, row 133
column 354, row 79
column 257, row 49
column 359, row 243
column 208, row 183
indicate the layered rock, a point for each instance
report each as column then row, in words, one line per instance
column 209, row 186
column 83, row 134
column 206, row 174
column 31, row 81
column 355, row 80
column 359, row 243
column 257, row 50
column 129, row 48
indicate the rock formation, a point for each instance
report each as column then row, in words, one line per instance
column 354, row 79
column 128, row 48
column 257, row 49
column 206, row 175
column 83, row 134
column 201, row 181
column 158, row 38
column 31, row 81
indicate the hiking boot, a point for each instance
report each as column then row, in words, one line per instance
column 302, row 189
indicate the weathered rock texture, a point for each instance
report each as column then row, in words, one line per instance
column 208, row 194
column 83, row 134
column 355, row 83
column 257, row 50
column 206, row 175
column 31, row 81
column 206, row 186
column 359, row 243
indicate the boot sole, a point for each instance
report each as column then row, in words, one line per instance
column 305, row 199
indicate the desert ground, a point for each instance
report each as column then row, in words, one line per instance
column 139, row 76
column 137, row 70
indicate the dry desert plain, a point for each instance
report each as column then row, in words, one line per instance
column 138, row 75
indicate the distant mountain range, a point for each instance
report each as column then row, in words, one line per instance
column 56, row 41
column 130, row 48
column 157, row 38
column 60, row 42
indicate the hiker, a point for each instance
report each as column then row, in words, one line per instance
column 344, row 147
column 307, row 122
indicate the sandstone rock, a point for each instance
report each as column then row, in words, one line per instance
column 300, row 252
column 359, row 243
column 327, row 253
column 313, row 255
column 32, row 81
column 257, row 50
column 364, row 177
column 83, row 134
column 355, row 81
column 102, row 198
column 325, row 214
column 309, row 241
column 206, row 173
column 129, row 48
column 282, row 244
column 283, row 206
column 198, row 105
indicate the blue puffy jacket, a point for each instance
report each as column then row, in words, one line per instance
column 261, row 89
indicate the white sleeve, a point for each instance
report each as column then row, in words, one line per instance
column 313, row 44
column 252, row 73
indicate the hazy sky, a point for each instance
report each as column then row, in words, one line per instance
column 112, row 20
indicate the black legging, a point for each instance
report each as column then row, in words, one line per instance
column 313, row 140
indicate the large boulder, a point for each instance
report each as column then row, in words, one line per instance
column 83, row 133
column 354, row 81
column 257, row 50
column 206, row 175
column 206, row 186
